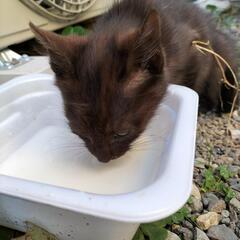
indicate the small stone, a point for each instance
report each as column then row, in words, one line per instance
column 195, row 192
column 233, row 181
column 218, row 150
column 187, row 224
column 187, row 234
column 214, row 166
column 188, row 208
column 235, row 135
column 221, row 232
column 225, row 221
column 237, row 195
column 200, row 235
column 234, row 169
column 200, row 163
column 235, row 203
column 207, row 220
column 217, row 206
column 232, row 226
column 205, row 202
column 225, row 160
column 211, row 197
column 236, row 115
column 236, row 186
column 225, row 213
column 233, row 214
column 176, row 227
column 196, row 205
column 172, row 236
column 237, row 231
column 214, row 204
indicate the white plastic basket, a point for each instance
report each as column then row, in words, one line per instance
column 59, row 10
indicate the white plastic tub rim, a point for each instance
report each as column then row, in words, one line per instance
column 156, row 201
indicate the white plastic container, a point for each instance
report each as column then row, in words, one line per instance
column 49, row 178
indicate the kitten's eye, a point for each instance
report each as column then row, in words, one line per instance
column 121, row 134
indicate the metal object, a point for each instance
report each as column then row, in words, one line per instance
column 59, row 10
column 9, row 59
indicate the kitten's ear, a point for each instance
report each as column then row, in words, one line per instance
column 148, row 51
column 59, row 48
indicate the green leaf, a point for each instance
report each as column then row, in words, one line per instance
column 229, row 195
column 154, row 232
column 209, row 181
column 225, row 172
column 77, row 30
column 211, row 8
column 162, row 223
column 180, row 216
column 38, row 233
column 68, row 31
column 190, row 200
column 139, row 235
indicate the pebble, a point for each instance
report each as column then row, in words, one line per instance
column 205, row 202
column 172, row 236
column 200, row 163
column 196, row 205
column 214, row 166
column 237, row 231
column 195, row 192
column 225, row 213
column 176, row 228
column 225, row 221
column 233, row 181
column 234, row 169
column 221, row 232
column 187, row 234
column 232, row 226
column 207, row 220
column 233, row 214
column 235, row 203
column 217, row 206
column 187, row 224
column 236, row 115
column 218, row 150
column 200, row 235
column 236, row 186
column 235, row 135
column 214, row 204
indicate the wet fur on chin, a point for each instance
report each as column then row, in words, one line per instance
column 113, row 80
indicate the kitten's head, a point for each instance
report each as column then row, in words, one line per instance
column 111, row 83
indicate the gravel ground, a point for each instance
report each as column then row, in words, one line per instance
column 215, row 202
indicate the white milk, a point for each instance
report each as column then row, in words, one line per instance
column 39, row 146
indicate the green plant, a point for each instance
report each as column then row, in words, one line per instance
column 157, row 230
column 213, row 182
column 225, row 172
column 76, row 30
column 222, row 18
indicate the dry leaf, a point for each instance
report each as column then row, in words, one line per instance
column 36, row 233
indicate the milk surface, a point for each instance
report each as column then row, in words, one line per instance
column 39, row 146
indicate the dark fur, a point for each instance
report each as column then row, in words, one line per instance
column 113, row 80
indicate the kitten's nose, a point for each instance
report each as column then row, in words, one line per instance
column 104, row 159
